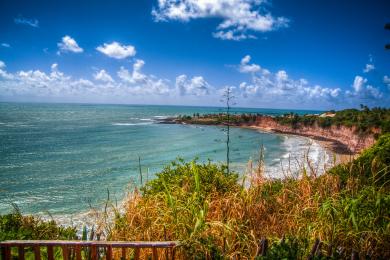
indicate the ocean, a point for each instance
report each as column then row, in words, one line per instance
column 59, row 159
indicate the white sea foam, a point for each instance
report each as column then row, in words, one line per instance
column 132, row 124
column 160, row 117
column 300, row 152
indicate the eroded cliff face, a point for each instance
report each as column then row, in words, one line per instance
column 344, row 135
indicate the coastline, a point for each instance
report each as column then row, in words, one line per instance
column 333, row 147
column 340, row 151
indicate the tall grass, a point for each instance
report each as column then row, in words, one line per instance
column 216, row 216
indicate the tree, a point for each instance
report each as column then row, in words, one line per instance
column 228, row 100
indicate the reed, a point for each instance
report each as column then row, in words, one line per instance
column 216, row 215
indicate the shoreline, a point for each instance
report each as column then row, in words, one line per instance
column 341, row 152
column 331, row 146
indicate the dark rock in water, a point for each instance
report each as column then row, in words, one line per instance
column 168, row 120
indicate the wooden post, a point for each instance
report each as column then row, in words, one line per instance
column 136, row 253
column 264, row 247
column 354, row 255
column 65, row 252
column 314, row 249
column 155, row 254
column 50, row 253
column 78, row 252
column 21, row 252
column 6, row 252
column 173, row 253
column 123, row 253
column 109, row 253
column 37, row 252
column 93, row 252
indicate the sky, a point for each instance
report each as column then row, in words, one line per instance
column 299, row 54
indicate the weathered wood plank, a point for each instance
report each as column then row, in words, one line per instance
column 136, row 253
column 6, row 253
column 65, row 252
column 109, row 253
column 314, row 249
column 78, row 252
column 93, row 252
column 155, row 253
column 37, row 252
column 132, row 244
column 50, row 253
column 21, row 252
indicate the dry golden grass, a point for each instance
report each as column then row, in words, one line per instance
column 346, row 212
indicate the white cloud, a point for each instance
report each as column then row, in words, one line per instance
column 368, row 68
column 278, row 87
column 143, row 83
column 2, row 64
column 136, row 76
column 363, row 91
column 5, row 45
column 358, row 83
column 238, row 16
column 197, row 86
column 245, row 67
column 386, row 80
column 102, row 75
column 116, row 50
column 25, row 21
column 68, row 44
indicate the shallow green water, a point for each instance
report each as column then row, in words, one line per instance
column 59, row 158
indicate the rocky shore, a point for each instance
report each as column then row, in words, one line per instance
column 340, row 140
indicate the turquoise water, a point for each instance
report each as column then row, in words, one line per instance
column 59, row 158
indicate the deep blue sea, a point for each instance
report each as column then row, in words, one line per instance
column 57, row 159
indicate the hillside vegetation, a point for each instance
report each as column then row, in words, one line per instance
column 216, row 215
column 365, row 121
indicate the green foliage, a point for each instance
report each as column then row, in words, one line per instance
column 215, row 217
column 15, row 226
column 289, row 248
column 372, row 167
column 365, row 121
column 194, row 177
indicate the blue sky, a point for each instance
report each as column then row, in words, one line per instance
column 278, row 54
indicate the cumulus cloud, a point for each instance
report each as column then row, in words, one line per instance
column 362, row 90
column 245, row 67
column 25, row 21
column 197, row 86
column 68, row 44
column 102, row 75
column 368, row 68
column 141, row 82
column 386, row 80
column 279, row 86
column 56, row 84
column 129, row 84
column 116, row 50
column 238, row 16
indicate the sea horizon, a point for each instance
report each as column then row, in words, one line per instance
column 58, row 158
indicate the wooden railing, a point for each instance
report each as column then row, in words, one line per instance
column 92, row 250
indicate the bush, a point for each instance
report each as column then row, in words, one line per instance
column 15, row 226
column 215, row 217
